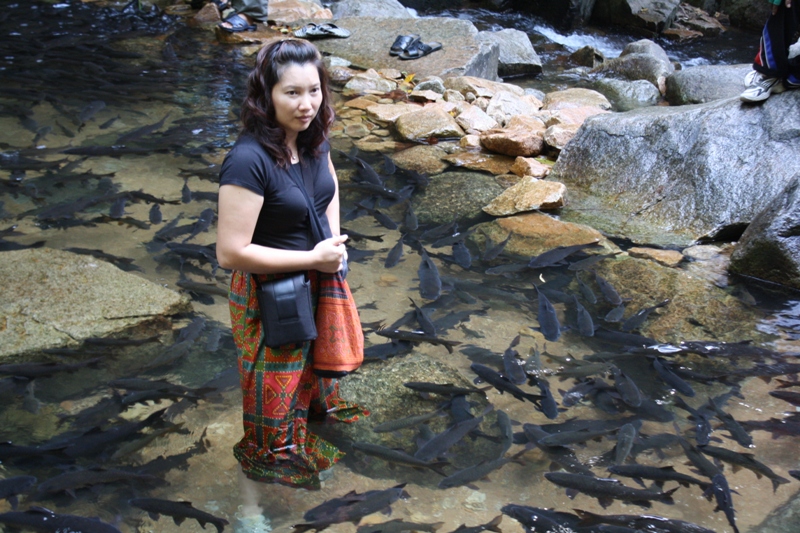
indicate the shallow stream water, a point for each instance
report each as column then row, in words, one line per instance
column 77, row 75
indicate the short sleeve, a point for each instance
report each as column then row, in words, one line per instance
column 245, row 165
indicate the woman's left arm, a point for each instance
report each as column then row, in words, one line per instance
column 332, row 211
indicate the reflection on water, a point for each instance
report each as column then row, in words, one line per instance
column 146, row 104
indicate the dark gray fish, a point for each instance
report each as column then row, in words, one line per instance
column 407, row 422
column 141, row 132
column 460, row 408
column 738, row 433
column 701, row 421
column 473, row 473
column 624, row 339
column 400, row 457
column 89, row 111
column 417, row 338
column 585, row 322
column 636, row 321
column 509, row 268
column 29, row 401
column 586, row 291
column 609, row 292
column 722, row 493
column 430, row 283
column 589, row 262
column 492, row 251
column 670, row 378
column 511, row 364
column 382, row 218
column 438, row 445
column 565, row 438
column 503, row 385
column 625, row 439
column 548, row 319
column 96, row 441
column 608, row 490
column 506, row 431
column 493, row 525
column 41, row 370
column 186, row 192
column 447, row 389
column 398, row 525
column 155, row 214
column 410, row 221
column 46, row 521
column 117, row 210
column 703, row 465
column 744, row 460
column 372, row 502
column 657, row 474
column 641, row 522
column 538, row 520
column 549, row 404
column 358, row 236
column 202, row 224
column 560, row 455
column 41, row 133
column 556, row 255
column 68, row 132
column 71, row 481
column 178, row 510
column 12, row 487
column 616, row 314
column 461, row 255
column 98, row 414
column 425, row 323
column 626, row 387
column 365, row 172
column 107, row 124
column 394, row 254
column 389, row 167
column 388, row 349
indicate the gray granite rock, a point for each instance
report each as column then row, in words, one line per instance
column 650, row 15
column 517, row 55
column 369, row 8
column 666, row 175
column 696, row 85
column 641, row 60
column 462, row 53
column 455, row 195
column 747, row 14
column 770, row 246
column 626, row 95
column 61, row 298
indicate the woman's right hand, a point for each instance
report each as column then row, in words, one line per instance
column 330, row 253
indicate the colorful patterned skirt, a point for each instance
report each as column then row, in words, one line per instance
column 280, row 391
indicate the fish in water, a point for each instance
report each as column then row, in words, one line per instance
column 41, row 370
column 399, row 525
column 626, row 387
column 141, row 132
column 658, row 474
column 446, row 389
column 88, row 112
column 640, row 522
column 417, row 338
column 430, row 283
column 155, row 214
column 556, row 255
column 722, row 493
column 178, row 510
column 607, row 490
column 46, row 521
column 625, row 439
column 670, row 378
column 186, row 192
column 400, row 457
column 548, row 319
column 503, row 385
column 511, row 364
column 585, row 322
column 538, row 520
column 616, row 314
column 473, row 473
column 29, row 402
column 382, row 218
column 203, row 222
column 117, row 210
column 744, row 460
column 609, row 292
column 73, row 480
column 492, row 525
column 394, row 254
column 492, row 251
column 425, row 323
column 636, row 321
column 462, row 255
column 354, row 511
column 12, row 487
column 586, row 291
column 439, row 444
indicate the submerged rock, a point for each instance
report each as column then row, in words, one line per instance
column 455, row 196
column 492, row 163
column 61, row 298
column 770, row 246
column 425, row 159
column 530, row 194
column 666, row 175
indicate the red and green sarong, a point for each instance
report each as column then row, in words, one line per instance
column 279, row 391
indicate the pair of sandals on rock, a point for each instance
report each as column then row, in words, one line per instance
column 411, row 47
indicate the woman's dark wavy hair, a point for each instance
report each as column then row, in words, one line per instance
column 258, row 110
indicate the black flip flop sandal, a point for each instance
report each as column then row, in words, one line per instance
column 420, row 49
column 403, row 43
column 238, row 23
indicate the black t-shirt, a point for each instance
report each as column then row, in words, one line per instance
column 283, row 221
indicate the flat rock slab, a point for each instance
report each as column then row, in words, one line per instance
column 52, row 298
column 462, row 53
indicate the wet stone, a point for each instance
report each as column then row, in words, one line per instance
column 374, row 143
column 389, row 113
column 528, row 166
column 455, row 195
column 575, row 98
column 472, row 118
column 470, row 142
column 558, row 136
column 356, row 130
column 480, row 86
column 424, row 96
column 529, row 194
column 573, row 115
column 669, row 258
column 425, row 159
column 362, row 102
column 493, row 163
column 513, row 142
column 427, row 123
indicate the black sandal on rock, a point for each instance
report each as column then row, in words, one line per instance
column 237, row 23
column 402, row 43
column 420, row 49
column 222, row 5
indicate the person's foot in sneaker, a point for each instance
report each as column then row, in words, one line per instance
column 761, row 88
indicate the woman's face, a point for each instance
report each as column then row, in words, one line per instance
column 297, row 97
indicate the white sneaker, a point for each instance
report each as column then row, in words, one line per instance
column 751, row 78
column 761, row 88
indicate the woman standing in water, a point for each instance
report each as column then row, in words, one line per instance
column 264, row 229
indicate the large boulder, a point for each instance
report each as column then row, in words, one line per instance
column 455, row 195
column 369, row 8
column 626, row 95
column 51, row 298
column 673, row 174
column 696, row 85
column 747, row 14
column 462, row 53
column 649, row 15
column 641, row 60
column 517, row 56
column 770, row 246
column 562, row 13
